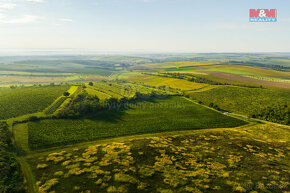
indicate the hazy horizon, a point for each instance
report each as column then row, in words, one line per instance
column 84, row 52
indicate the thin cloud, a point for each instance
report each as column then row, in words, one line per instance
column 21, row 20
column 66, row 20
column 7, row 5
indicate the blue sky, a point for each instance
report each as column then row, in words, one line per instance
column 143, row 25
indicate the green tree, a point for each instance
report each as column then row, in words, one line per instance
column 66, row 93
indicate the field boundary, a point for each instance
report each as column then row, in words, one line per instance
column 131, row 137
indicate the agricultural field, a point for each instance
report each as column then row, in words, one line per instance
column 145, row 123
column 247, row 70
column 168, row 82
column 247, row 159
column 122, row 89
column 242, row 99
column 26, row 100
column 185, row 68
column 172, row 66
column 157, row 115
column 102, row 96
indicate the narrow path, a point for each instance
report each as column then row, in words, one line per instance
column 21, row 138
column 30, row 180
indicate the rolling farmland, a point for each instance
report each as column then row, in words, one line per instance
column 242, row 99
column 158, row 123
column 21, row 101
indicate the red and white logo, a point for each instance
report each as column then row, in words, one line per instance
column 263, row 15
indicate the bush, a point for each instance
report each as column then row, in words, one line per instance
column 32, row 118
column 66, row 93
column 13, row 86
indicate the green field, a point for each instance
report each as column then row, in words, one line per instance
column 185, row 68
column 120, row 89
column 247, row 159
column 242, row 99
column 102, row 96
column 175, row 113
column 146, row 123
column 26, row 100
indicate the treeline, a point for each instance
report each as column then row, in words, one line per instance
column 11, row 178
column 197, row 79
column 188, row 77
column 272, row 66
column 279, row 113
column 80, row 104
column 85, row 104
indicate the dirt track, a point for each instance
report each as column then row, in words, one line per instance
column 247, row 79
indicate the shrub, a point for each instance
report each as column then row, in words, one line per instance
column 32, row 118
column 66, row 93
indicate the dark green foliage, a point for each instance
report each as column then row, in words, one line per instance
column 212, row 105
column 91, row 83
column 279, row 113
column 11, row 179
column 66, row 93
column 80, row 104
column 12, row 86
column 32, row 118
column 257, row 102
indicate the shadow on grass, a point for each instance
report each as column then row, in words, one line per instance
column 116, row 111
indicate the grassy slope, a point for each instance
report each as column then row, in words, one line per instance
column 241, row 99
column 101, row 96
column 240, row 159
column 21, row 101
column 159, row 115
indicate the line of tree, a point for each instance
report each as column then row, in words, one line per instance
column 80, row 104
column 11, row 178
column 272, row 66
column 197, row 79
column 84, row 104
